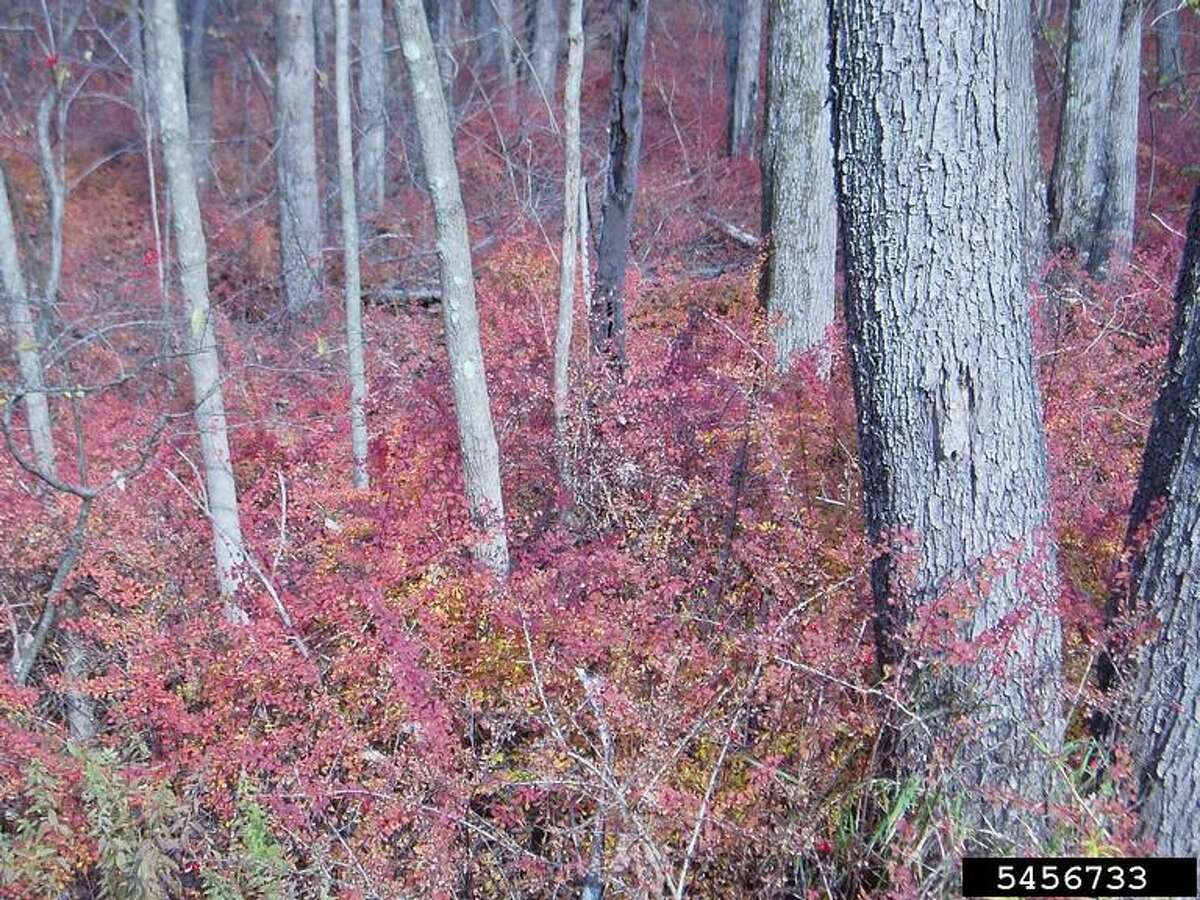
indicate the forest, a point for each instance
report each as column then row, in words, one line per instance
column 595, row 448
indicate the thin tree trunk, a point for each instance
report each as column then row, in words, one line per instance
column 1095, row 161
column 325, row 115
column 950, row 434
column 570, row 237
column 354, row 328
column 26, row 346
column 201, row 343
column 500, row 39
column 199, row 90
column 296, row 155
column 545, row 45
column 745, row 88
column 446, row 14
column 624, row 151
column 1163, row 707
column 372, row 98
column 731, row 16
column 799, row 211
column 468, row 379
column 1166, row 41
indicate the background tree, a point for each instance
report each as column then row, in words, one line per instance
column 571, row 235
column 544, row 56
column 1093, row 183
column 798, row 208
column 200, row 88
column 1166, row 40
column 624, row 152
column 950, row 435
column 201, row 338
column 743, row 115
column 26, row 345
column 372, row 97
column 296, row 155
column 476, row 435
column 353, row 289
column 1165, row 585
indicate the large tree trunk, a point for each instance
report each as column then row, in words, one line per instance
column 1095, row 162
column 1163, row 714
column 545, row 45
column 798, row 209
column 468, row 379
column 950, row 434
column 372, row 98
column 201, row 343
column 624, row 152
column 570, row 237
column 744, row 113
column 199, row 90
column 25, row 339
column 353, row 291
column 296, row 155
column 1166, row 41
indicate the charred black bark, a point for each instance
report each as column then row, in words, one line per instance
column 624, row 150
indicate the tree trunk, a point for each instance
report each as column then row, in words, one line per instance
column 372, row 100
column 570, row 237
column 1163, row 713
column 296, row 156
column 1095, row 161
column 199, row 90
column 799, row 212
column 745, row 88
column 502, row 38
column 1166, row 41
column 444, row 20
column 731, row 16
column 624, row 150
column 354, row 329
column 26, row 346
column 201, row 344
column 950, row 433
column 545, row 45
column 476, row 437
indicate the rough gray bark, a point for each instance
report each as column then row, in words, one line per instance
column 468, row 379
column 199, row 90
column 545, row 45
column 950, row 435
column 744, row 114
column 570, row 236
column 296, row 155
column 201, row 343
column 372, row 99
column 1166, row 41
column 26, row 346
column 798, row 207
column 624, row 152
column 354, row 329
column 1163, row 714
column 1021, row 49
column 1093, row 181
